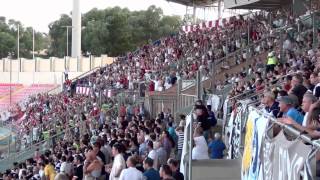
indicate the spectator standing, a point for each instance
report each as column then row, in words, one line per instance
column 200, row 149
column 153, row 154
column 174, row 166
column 118, row 163
column 150, row 173
column 216, row 147
column 131, row 173
column 180, row 134
column 49, row 171
column 166, row 173
column 78, row 170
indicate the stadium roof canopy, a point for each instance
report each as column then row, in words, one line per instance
column 194, row 2
column 256, row 4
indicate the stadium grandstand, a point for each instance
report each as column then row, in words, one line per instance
column 233, row 98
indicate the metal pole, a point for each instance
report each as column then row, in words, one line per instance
column 194, row 13
column 18, row 42
column 10, row 81
column 67, row 41
column 219, row 9
column 33, row 43
column 190, row 147
column 198, row 83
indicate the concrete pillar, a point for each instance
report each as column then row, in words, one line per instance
column 3, row 65
column 20, row 65
column 90, row 65
column 76, row 30
column 35, row 64
column 51, row 64
column 198, row 85
column 194, row 14
column 219, row 9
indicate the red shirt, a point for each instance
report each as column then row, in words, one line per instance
column 151, row 87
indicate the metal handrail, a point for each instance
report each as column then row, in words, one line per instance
column 294, row 131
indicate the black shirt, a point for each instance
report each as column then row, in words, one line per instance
column 78, row 172
column 178, row 175
column 205, row 124
column 299, row 91
column 102, row 157
column 274, row 109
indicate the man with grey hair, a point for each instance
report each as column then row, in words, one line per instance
column 271, row 106
column 216, row 147
column 307, row 100
column 289, row 111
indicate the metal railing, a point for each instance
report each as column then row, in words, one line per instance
column 19, row 156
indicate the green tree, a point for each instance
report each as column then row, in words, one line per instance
column 114, row 31
column 58, row 36
column 7, row 43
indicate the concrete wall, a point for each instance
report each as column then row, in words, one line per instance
column 54, row 64
column 47, row 71
column 36, row 77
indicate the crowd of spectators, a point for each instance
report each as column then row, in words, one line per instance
column 133, row 147
column 97, row 145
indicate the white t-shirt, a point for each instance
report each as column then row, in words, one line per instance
column 131, row 174
column 66, row 168
column 304, row 122
column 154, row 156
column 118, row 165
column 200, row 150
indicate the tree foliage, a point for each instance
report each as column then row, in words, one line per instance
column 9, row 42
column 113, row 31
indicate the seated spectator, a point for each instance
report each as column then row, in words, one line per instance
column 271, row 106
column 287, row 108
column 216, row 147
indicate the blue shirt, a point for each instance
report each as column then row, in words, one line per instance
column 172, row 133
column 152, row 174
column 295, row 115
column 216, row 147
column 143, row 149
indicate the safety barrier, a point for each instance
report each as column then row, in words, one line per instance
column 282, row 158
